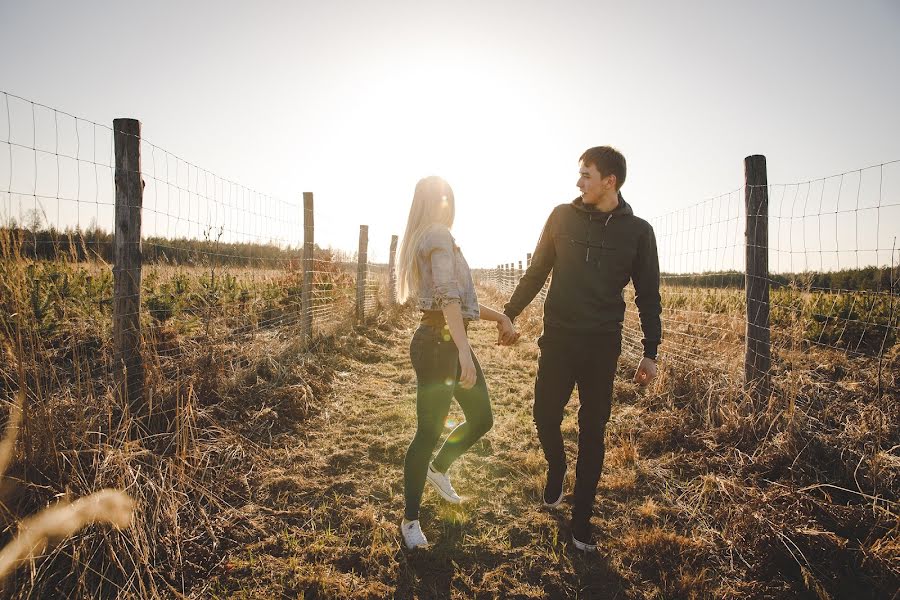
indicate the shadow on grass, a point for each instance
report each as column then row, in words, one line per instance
column 594, row 574
column 450, row 569
column 429, row 573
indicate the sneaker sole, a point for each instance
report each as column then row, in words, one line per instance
column 559, row 500
column 443, row 494
column 584, row 547
column 562, row 492
column 403, row 541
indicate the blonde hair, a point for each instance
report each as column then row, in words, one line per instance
column 432, row 204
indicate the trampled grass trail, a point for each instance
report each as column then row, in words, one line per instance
column 339, row 491
column 703, row 494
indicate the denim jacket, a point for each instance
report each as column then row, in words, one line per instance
column 444, row 274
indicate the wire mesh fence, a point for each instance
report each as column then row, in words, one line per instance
column 220, row 262
column 832, row 276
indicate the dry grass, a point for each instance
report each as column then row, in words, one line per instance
column 217, row 393
column 279, row 474
column 62, row 520
column 704, row 495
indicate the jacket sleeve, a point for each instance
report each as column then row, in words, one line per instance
column 438, row 248
column 536, row 275
column 645, row 275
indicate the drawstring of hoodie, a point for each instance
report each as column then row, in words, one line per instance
column 621, row 209
column 587, row 246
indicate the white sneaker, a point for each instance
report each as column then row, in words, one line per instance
column 441, row 483
column 412, row 534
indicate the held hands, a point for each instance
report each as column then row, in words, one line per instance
column 467, row 374
column 506, row 333
column 646, row 372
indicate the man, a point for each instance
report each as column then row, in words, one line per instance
column 594, row 246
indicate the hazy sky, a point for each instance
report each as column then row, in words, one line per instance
column 356, row 101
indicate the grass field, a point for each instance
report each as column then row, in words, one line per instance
column 280, row 473
column 703, row 495
column 211, row 337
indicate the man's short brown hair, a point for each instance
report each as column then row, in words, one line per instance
column 607, row 160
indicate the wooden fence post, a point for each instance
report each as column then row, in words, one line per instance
column 362, row 262
column 757, row 357
column 392, row 273
column 129, row 366
column 308, row 268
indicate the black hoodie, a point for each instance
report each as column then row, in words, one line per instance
column 593, row 255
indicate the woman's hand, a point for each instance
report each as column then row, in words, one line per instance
column 506, row 333
column 467, row 374
column 453, row 315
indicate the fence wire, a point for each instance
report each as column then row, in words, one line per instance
column 832, row 261
column 221, row 262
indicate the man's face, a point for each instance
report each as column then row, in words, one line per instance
column 593, row 185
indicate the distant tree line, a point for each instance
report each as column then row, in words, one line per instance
column 95, row 243
column 80, row 245
column 870, row 279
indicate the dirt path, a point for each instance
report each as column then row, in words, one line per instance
column 339, row 494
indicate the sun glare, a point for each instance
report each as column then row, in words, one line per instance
column 450, row 116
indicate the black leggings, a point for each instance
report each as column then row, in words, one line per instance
column 436, row 362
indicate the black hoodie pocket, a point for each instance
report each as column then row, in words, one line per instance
column 568, row 249
column 613, row 262
column 605, row 251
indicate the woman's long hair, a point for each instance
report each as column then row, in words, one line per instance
column 432, row 204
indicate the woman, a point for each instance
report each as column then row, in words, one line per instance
column 432, row 266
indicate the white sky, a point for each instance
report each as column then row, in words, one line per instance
column 356, row 101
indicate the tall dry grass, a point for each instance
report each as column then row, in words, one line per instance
column 806, row 482
column 225, row 378
column 64, row 518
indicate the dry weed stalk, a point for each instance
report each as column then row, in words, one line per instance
column 65, row 520
column 61, row 520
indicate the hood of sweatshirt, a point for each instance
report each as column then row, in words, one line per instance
column 621, row 210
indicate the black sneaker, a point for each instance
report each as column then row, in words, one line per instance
column 582, row 537
column 553, row 489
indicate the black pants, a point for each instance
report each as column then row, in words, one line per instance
column 588, row 360
column 435, row 359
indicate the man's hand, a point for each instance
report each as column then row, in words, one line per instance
column 506, row 333
column 646, row 372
